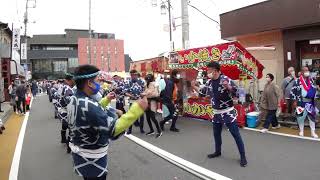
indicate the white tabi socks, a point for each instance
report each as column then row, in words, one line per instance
column 313, row 129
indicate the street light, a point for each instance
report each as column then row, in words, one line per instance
column 163, row 9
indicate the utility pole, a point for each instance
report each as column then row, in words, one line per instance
column 26, row 21
column 170, row 25
column 89, row 48
column 185, row 24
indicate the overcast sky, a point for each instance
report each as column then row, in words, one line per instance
column 140, row 25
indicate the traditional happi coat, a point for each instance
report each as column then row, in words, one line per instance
column 304, row 92
column 221, row 99
column 55, row 96
column 135, row 87
column 119, row 87
column 64, row 99
column 92, row 128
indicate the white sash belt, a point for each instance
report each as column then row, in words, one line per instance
column 222, row 111
column 89, row 153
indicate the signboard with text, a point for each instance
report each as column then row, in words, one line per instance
column 16, row 39
column 24, row 51
column 198, row 108
column 234, row 59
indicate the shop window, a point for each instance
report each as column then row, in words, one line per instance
column 60, row 65
column 73, row 62
column 42, row 66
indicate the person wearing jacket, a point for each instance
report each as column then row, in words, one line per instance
column 133, row 89
column 153, row 92
column 93, row 125
column 12, row 93
column 221, row 90
column 271, row 102
column 169, row 96
column 304, row 93
column 64, row 99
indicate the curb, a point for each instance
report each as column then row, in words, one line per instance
column 5, row 116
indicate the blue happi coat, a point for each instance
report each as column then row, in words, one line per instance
column 120, row 90
column 135, row 88
column 221, row 99
column 92, row 129
column 65, row 94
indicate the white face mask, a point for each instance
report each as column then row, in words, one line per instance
column 306, row 74
column 168, row 76
column 268, row 79
column 293, row 73
column 210, row 76
column 178, row 76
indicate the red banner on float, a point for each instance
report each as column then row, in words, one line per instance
column 198, row 108
column 235, row 60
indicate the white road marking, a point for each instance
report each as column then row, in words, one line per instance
column 17, row 153
column 283, row 134
column 186, row 165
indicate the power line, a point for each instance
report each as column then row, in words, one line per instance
column 204, row 14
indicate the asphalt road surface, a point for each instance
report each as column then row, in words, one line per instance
column 44, row 157
column 270, row 157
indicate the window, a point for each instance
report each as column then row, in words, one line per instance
column 73, row 62
column 42, row 65
column 60, row 65
column 59, row 48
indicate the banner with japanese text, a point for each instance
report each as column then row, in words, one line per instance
column 16, row 39
column 198, row 108
column 235, row 60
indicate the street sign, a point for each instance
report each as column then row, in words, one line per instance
column 24, row 51
column 16, row 39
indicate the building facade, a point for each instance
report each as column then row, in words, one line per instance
column 51, row 56
column 106, row 54
column 279, row 33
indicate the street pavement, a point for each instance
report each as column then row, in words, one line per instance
column 44, row 158
column 270, row 157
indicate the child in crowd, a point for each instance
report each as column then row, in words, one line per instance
column 28, row 100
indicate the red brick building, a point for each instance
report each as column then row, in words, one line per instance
column 106, row 54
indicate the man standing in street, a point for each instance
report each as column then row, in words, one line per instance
column 64, row 100
column 118, row 88
column 169, row 96
column 221, row 90
column 134, row 87
column 287, row 85
column 21, row 97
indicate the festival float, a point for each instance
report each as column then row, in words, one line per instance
column 156, row 65
column 236, row 62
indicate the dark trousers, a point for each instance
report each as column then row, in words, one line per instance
column 173, row 115
column 15, row 106
column 138, row 123
column 120, row 106
column 64, row 129
column 23, row 102
column 104, row 177
column 289, row 103
column 271, row 118
column 234, row 130
column 152, row 116
column 34, row 92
